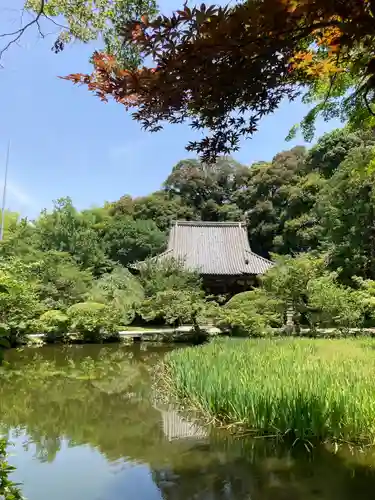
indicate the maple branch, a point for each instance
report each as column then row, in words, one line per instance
column 18, row 33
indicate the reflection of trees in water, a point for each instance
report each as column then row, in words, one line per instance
column 83, row 414
column 115, row 415
column 259, row 470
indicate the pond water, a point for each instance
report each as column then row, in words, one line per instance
column 93, row 429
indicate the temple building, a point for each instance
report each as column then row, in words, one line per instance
column 219, row 251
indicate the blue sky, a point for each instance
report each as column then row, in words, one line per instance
column 65, row 142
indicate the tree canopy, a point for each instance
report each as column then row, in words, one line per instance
column 288, row 203
column 72, row 20
column 276, row 49
column 309, row 206
column 180, row 67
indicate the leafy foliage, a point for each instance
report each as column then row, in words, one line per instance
column 261, row 303
column 61, row 282
column 67, row 230
column 8, row 489
column 251, row 314
column 208, row 188
column 166, row 274
column 346, row 208
column 54, row 324
column 94, row 321
column 334, row 304
column 288, row 280
column 314, row 294
column 314, row 208
column 172, row 294
column 243, row 322
column 178, row 307
column 19, row 303
column 119, row 289
column 333, row 148
column 88, row 21
column 272, row 46
column 127, row 240
column 160, row 207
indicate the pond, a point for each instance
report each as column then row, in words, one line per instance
column 86, row 425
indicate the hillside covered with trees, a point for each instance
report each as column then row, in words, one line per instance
column 71, row 266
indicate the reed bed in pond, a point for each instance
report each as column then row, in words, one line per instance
column 308, row 389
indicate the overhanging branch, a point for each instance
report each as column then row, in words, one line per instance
column 18, row 33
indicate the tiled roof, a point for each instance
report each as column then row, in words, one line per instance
column 214, row 248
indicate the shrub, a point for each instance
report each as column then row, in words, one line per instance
column 289, row 278
column 119, row 289
column 62, row 282
column 366, row 294
column 251, row 314
column 19, row 303
column 334, row 305
column 243, row 323
column 177, row 307
column 94, row 321
column 317, row 298
column 54, row 324
column 168, row 274
column 272, row 309
column 8, row 489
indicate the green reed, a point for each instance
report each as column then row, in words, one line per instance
column 307, row 389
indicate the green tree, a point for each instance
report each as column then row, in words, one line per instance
column 61, row 281
column 332, row 148
column 158, row 207
column 178, row 307
column 251, row 313
column 96, row 20
column 10, row 222
column 208, row 189
column 265, row 198
column 19, row 304
column 333, row 304
column 94, row 321
column 301, row 229
column 54, row 324
column 67, row 230
column 167, row 274
column 119, row 289
column 127, row 240
column 19, row 240
column 289, row 279
column 347, row 211
column 223, row 68
column 306, row 285
column 259, row 302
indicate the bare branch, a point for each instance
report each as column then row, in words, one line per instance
column 55, row 22
column 18, row 33
column 39, row 29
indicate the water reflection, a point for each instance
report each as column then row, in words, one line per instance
column 92, row 431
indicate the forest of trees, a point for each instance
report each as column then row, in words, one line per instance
column 303, row 200
column 319, row 201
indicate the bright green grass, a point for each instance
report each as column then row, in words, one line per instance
column 306, row 388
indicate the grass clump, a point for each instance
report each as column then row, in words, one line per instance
column 322, row 389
